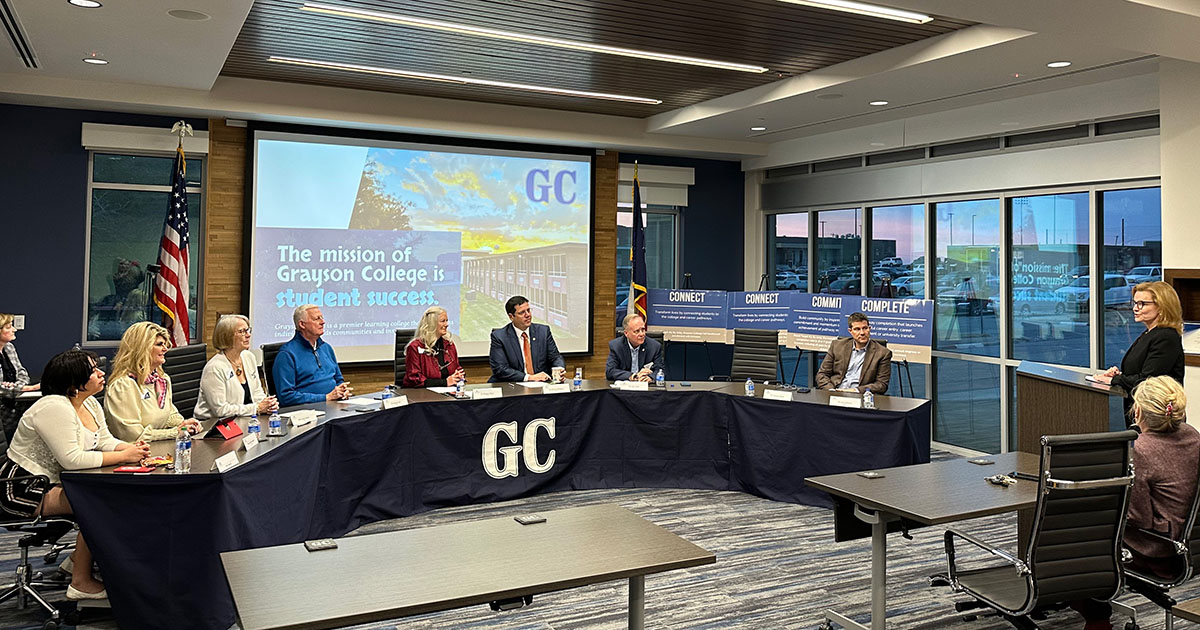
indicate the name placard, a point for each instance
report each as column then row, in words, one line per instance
column 637, row 386
column 777, row 394
column 560, row 388
column 395, row 401
column 226, row 462
column 250, row 442
column 845, row 401
column 486, row 392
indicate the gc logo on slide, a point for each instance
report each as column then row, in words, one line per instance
column 508, row 454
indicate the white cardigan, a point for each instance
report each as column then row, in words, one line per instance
column 221, row 393
column 49, row 438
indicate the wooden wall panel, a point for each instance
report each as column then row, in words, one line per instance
column 223, row 242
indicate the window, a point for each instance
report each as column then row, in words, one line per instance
column 787, row 249
column 967, row 409
column 1132, row 248
column 967, row 277
column 128, row 203
column 839, row 251
column 1050, row 279
column 660, row 225
column 898, row 251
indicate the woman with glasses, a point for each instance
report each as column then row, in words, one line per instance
column 1159, row 350
column 430, row 359
column 14, row 378
column 230, row 385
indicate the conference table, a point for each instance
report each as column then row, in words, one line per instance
column 928, row 494
column 157, row 537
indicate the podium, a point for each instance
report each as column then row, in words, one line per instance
column 1053, row 400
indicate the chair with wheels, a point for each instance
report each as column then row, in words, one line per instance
column 38, row 532
column 403, row 336
column 755, row 356
column 185, row 366
column 269, row 352
column 1074, row 550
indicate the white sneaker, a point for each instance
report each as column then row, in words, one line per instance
column 75, row 594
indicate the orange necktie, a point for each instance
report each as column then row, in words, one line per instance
column 528, row 355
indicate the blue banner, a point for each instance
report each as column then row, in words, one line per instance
column 689, row 315
column 760, row 310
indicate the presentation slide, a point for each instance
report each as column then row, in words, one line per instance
column 375, row 233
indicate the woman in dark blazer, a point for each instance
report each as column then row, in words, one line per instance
column 1159, row 350
column 430, row 359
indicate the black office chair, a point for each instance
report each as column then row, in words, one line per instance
column 39, row 532
column 269, row 352
column 185, row 365
column 403, row 336
column 755, row 356
column 1187, row 558
column 1074, row 551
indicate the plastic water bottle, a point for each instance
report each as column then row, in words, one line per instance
column 868, row 400
column 577, row 384
column 254, row 427
column 749, row 387
column 659, row 379
column 460, row 388
column 274, row 424
column 183, row 451
column 389, row 391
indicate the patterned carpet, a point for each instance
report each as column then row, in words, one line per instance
column 777, row 567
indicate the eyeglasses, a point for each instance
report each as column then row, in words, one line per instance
column 243, row 331
column 1140, row 304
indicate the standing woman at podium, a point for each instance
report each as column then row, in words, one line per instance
column 1159, row 350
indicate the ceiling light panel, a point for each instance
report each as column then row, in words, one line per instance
column 463, row 80
column 862, row 8
column 418, row 22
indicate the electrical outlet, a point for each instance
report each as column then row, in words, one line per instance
column 19, row 322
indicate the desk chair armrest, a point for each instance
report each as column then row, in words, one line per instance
column 1063, row 484
column 1180, row 547
column 1022, row 568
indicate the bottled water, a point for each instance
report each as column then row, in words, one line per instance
column 388, row 391
column 659, row 379
column 460, row 388
column 274, row 424
column 254, row 427
column 868, row 400
column 749, row 387
column 183, row 451
column 577, row 384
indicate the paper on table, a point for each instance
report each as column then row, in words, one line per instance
column 360, row 401
column 532, row 384
column 441, row 390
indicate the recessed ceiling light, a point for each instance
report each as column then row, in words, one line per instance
column 862, row 8
column 408, row 20
column 878, row 103
column 428, row 76
column 758, row 128
column 1058, row 64
column 85, row 4
column 188, row 14
column 878, row 144
column 95, row 61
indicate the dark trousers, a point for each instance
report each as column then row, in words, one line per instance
column 1098, row 611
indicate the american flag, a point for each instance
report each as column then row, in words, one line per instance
column 637, row 255
column 171, row 288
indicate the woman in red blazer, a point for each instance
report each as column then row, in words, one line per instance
column 430, row 359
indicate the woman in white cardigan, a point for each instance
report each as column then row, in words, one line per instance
column 64, row 430
column 230, row 385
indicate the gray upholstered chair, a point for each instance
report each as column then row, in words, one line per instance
column 403, row 336
column 755, row 356
column 269, row 352
column 185, row 365
column 1074, row 550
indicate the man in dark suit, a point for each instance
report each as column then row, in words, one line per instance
column 856, row 363
column 633, row 356
column 523, row 350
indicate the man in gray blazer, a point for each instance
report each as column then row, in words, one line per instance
column 523, row 350
column 633, row 356
column 856, row 363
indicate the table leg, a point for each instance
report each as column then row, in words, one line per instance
column 637, row 602
column 879, row 522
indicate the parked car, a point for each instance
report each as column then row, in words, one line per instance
column 1030, row 300
column 907, row 286
column 1146, row 273
column 965, row 303
column 845, row 287
column 1116, row 292
column 894, row 261
column 790, row 280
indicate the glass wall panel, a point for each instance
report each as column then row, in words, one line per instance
column 1050, row 280
column 787, row 248
column 967, row 412
column 898, row 251
column 660, row 254
column 967, row 277
column 839, row 248
column 1132, row 247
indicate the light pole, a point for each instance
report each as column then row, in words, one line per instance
column 972, row 229
column 951, row 229
column 822, row 228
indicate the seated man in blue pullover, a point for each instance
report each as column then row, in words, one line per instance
column 306, row 370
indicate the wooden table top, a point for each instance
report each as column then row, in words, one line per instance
column 1189, row 610
column 939, row 492
column 395, row 574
